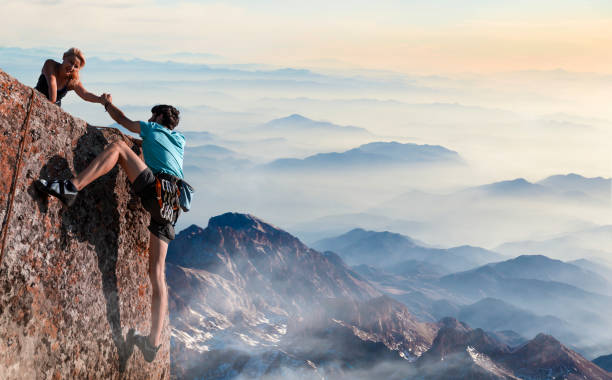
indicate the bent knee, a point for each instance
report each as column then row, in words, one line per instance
column 117, row 146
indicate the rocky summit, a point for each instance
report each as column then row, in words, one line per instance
column 242, row 290
column 249, row 300
column 72, row 280
column 460, row 352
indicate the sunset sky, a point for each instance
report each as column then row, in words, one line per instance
column 519, row 89
column 433, row 37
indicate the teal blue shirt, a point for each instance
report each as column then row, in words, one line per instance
column 162, row 148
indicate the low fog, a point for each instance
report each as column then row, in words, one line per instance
column 503, row 127
column 518, row 163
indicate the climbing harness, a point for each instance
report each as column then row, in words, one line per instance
column 9, row 209
column 168, row 195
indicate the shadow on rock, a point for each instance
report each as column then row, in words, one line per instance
column 94, row 218
column 56, row 168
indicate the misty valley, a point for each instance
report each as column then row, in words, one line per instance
column 377, row 225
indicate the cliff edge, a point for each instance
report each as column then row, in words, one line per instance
column 72, row 280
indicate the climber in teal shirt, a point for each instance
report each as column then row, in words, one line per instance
column 162, row 148
column 156, row 180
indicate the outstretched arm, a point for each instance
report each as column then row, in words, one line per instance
column 86, row 95
column 118, row 116
column 48, row 71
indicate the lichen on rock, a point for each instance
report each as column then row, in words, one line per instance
column 72, row 280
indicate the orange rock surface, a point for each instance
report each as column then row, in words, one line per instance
column 72, row 280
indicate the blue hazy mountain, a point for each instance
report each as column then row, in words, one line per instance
column 493, row 314
column 572, row 183
column 589, row 243
column 566, row 186
column 509, row 211
column 516, row 187
column 194, row 137
column 210, row 158
column 604, row 362
column 551, row 275
column 299, row 123
column 539, row 267
column 544, row 296
column 25, row 64
column 594, row 266
column 374, row 154
column 210, row 150
column 387, row 249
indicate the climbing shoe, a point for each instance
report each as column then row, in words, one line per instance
column 142, row 342
column 63, row 189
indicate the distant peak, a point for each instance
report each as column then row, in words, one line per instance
column 534, row 259
column 191, row 232
column 574, row 175
column 293, row 118
column 194, row 228
column 545, row 339
column 452, row 323
column 517, row 181
column 241, row 222
column 357, row 230
column 296, row 116
column 234, row 220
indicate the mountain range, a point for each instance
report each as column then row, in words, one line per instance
column 250, row 300
column 391, row 250
column 527, row 294
column 299, row 124
column 489, row 214
column 241, row 285
column 460, row 352
column 375, row 154
column 591, row 243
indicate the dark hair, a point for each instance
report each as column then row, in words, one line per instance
column 170, row 115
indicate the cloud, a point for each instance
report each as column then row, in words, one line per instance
column 406, row 37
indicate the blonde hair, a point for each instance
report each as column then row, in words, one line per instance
column 75, row 52
column 78, row 54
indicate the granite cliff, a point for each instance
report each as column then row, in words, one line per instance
column 72, row 280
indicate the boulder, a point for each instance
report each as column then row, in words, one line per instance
column 72, row 280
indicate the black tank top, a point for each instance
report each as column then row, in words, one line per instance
column 43, row 88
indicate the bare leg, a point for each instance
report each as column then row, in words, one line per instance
column 113, row 153
column 159, row 297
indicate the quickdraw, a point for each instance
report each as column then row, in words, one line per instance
column 168, row 195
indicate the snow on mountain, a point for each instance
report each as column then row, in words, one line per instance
column 242, row 288
column 460, row 352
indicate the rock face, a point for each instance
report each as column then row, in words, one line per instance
column 72, row 280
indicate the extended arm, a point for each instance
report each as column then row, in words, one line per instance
column 118, row 116
column 48, row 71
column 86, row 95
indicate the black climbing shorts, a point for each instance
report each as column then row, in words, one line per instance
column 144, row 186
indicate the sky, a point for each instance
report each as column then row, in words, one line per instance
column 520, row 89
column 433, row 37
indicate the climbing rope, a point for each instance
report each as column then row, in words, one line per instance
column 9, row 209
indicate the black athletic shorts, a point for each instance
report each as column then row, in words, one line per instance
column 144, row 186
